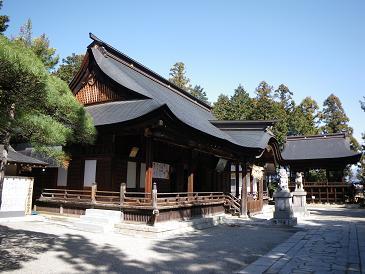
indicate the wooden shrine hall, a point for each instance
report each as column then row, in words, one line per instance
column 160, row 154
column 331, row 153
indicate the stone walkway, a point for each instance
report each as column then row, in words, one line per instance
column 333, row 241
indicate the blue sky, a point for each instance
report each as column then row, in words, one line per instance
column 315, row 47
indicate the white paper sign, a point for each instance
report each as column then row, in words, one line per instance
column 161, row 171
column 17, row 194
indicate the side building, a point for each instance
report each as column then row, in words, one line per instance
column 329, row 154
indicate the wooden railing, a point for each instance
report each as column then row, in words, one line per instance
column 233, row 203
column 322, row 183
column 132, row 199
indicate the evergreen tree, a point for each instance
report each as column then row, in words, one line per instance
column 3, row 20
column 26, row 33
column 335, row 119
column 199, row 93
column 36, row 107
column 39, row 45
column 69, row 67
column 303, row 118
column 266, row 108
column 178, row 76
column 222, row 109
column 241, row 104
column 361, row 165
column 333, row 116
column 284, row 95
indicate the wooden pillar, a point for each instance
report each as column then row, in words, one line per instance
column 319, row 193
column 191, row 181
column 93, row 193
column 261, row 189
column 238, row 180
column 244, row 191
column 123, row 188
column 149, row 168
column 191, row 171
column 251, row 182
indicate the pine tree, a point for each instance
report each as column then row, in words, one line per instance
column 3, row 20
column 40, row 45
column 178, row 76
column 69, row 67
column 198, row 92
column 36, row 107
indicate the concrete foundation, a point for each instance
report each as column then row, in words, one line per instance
column 283, row 214
column 300, row 203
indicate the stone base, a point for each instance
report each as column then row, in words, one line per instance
column 8, row 214
column 289, row 222
column 300, row 203
column 283, row 214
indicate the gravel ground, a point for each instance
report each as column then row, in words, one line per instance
column 43, row 247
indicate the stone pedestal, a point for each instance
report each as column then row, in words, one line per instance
column 283, row 213
column 300, row 203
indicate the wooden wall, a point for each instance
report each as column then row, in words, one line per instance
column 94, row 91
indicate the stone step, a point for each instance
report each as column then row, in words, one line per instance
column 99, row 219
column 103, row 213
column 167, row 228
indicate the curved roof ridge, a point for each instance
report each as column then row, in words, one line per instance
column 147, row 72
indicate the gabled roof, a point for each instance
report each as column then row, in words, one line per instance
column 17, row 157
column 120, row 111
column 248, row 133
column 157, row 92
column 319, row 148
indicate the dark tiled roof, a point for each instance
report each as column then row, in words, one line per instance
column 120, row 111
column 318, row 147
column 247, row 133
column 160, row 92
column 186, row 110
column 17, row 157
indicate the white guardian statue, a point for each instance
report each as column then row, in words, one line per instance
column 283, row 184
column 299, row 181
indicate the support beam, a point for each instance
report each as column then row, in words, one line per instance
column 237, row 180
column 191, row 181
column 244, row 191
column 149, row 168
column 251, row 182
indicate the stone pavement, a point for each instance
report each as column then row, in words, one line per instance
column 333, row 241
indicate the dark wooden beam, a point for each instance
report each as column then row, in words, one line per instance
column 237, row 180
column 149, row 159
column 244, row 190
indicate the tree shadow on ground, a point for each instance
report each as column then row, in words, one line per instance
column 20, row 246
column 221, row 249
column 339, row 212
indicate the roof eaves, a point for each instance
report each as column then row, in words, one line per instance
column 119, row 56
